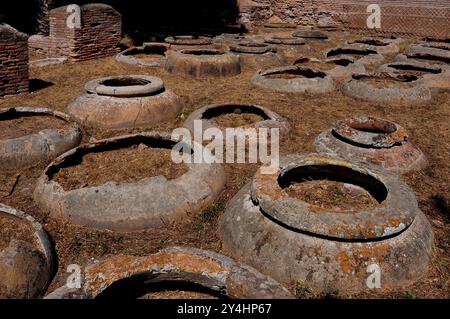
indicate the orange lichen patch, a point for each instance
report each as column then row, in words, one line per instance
column 399, row 135
column 369, row 229
column 359, row 257
column 107, row 272
column 345, row 261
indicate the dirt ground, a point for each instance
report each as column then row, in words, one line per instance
column 14, row 229
column 22, row 126
column 309, row 115
column 122, row 166
column 328, row 195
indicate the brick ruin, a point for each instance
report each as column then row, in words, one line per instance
column 408, row 17
column 98, row 35
column 13, row 61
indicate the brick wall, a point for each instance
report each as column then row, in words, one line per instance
column 13, row 61
column 99, row 35
column 302, row 12
column 412, row 17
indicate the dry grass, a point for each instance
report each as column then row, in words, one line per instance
column 308, row 115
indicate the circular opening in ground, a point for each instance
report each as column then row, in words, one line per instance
column 295, row 73
column 253, row 45
column 203, row 52
column 314, row 64
column 431, row 58
column 235, row 115
column 147, row 53
column 124, row 161
column 350, row 52
column 125, row 81
column 386, row 81
column 15, row 124
column 374, row 42
column 414, row 69
column 310, row 35
column 341, row 62
column 333, row 187
column 137, row 288
column 373, row 126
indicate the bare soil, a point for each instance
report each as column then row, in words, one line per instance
column 12, row 228
column 330, row 195
column 309, row 115
column 121, row 166
column 28, row 125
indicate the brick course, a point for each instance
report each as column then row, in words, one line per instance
column 13, row 61
column 411, row 17
column 99, row 35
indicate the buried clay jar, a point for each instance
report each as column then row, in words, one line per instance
column 339, row 68
column 386, row 88
column 231, row 115
column 295, row 79
column 127, row 101
column 254, row 54
column 35, row 135
column 26, row 257
column 148, row 55
column 373, row 140
column 330, row 246
column 435, row 76
column 203, row 62
column 134, row 199
column 367, row 56
column 129, row 277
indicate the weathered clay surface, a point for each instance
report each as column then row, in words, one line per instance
column 188, row 40
column 128, row 57
column 118, row 107
column 271, row 119
column 278, row 26
column 43, row 146
column 233, row 39
column 203, row 62
column 318, row 84
column 25, row 268
column 392, row 150
column 436, row 77
column 310, row 35
column 443, row 44
column 383, row 46
column 254, row 231
column 255, row 53
column 289, row 47
column 345, row 67
column 396, row 212
column 417, row 51
column 147, row 203
column 361, row 53
column 416, row 92
column 218, row 273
